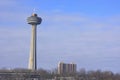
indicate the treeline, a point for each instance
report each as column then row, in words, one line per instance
column 97, row 75
column 42, row 74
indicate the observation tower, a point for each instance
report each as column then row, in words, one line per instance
column 33, row 20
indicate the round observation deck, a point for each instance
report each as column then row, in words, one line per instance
column 34, row 19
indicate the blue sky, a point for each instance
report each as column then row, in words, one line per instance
column 86, row 32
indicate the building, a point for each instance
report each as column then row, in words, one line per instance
column 33, row 20
column 66, row 68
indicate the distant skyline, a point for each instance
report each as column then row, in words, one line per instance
column 86, row 32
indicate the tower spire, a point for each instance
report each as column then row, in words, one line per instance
column 34, row 11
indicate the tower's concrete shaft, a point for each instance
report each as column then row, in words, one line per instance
column 33, row 58
column 34, row 21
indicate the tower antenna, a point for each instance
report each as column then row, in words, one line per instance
column 34, row 10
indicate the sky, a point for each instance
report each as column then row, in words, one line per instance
column 86, row 32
